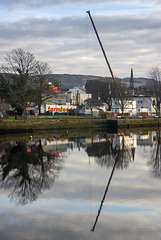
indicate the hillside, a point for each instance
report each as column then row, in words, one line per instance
column 73, row 80
column 138, row 81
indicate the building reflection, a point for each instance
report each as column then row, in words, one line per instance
column 27, row 168
column 105, row 152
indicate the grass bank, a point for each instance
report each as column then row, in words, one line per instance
column 130, row 123
column 72, row 123
column 40, row 124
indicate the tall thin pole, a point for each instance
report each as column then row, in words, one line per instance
column 104, row 53
column 106, row 190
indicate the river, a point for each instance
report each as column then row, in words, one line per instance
column 104, row 186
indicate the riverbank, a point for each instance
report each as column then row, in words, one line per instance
column 65, row 124
column 130, row 123
column 79, row 124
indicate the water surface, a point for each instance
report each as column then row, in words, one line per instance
column 101, row 187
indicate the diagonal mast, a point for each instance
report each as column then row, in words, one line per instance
column 104, row 53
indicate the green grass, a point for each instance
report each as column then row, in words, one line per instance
column 30, row 118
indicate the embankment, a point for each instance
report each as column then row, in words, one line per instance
column 130, row 123
column 31, row 126
column 113, row 125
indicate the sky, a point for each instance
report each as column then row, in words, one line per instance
column 60, row 33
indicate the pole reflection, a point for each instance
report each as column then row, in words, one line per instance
column 27, row 168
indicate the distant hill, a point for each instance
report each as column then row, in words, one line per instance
column 73, row 80
column 76, row 80
column 138, row 81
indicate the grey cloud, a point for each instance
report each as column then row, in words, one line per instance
column 86, row 192
column 119, row 23
column 75, row 27
column 124, row 37
column 38, row 227
column 41, row 3
column 75, row 226
column 40, row 28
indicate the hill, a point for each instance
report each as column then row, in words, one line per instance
column 73, row 80
column 138, row 81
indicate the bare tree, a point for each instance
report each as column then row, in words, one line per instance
column 92, row 103
column 42, row 87
column 15, row 76
column 124, row 97
column 154, row 87
column 101, row 89
column 20, row 77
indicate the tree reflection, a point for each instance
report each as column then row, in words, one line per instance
column 116, row 152
column 105, row 153
column 155, row 160
column 27, row 170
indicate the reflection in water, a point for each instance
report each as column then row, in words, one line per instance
column 119, row 152
column 106, row 190
column 29, row 167
column 106, row 152
column 155, row 157
column 27, row 170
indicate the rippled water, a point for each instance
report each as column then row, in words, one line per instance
column 100, row 187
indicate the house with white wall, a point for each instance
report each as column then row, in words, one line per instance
column 130, row 106
column 144, row 104
column 123, row 141
column 77, row 96
column 136, row 105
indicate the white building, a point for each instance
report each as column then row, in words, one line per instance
column 77, row 96
column 147, row 139
column 137, row 105
column 126, row 142
column 145, row 104
column 130, row 106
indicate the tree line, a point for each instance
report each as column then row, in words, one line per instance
column 23, row 79
column 106, row 90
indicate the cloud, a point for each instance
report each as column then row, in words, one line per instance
column 71, row 2
column 66, row 39
column 74, row 27
column 58, row 225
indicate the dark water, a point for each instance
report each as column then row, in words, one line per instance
column 101, row 187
